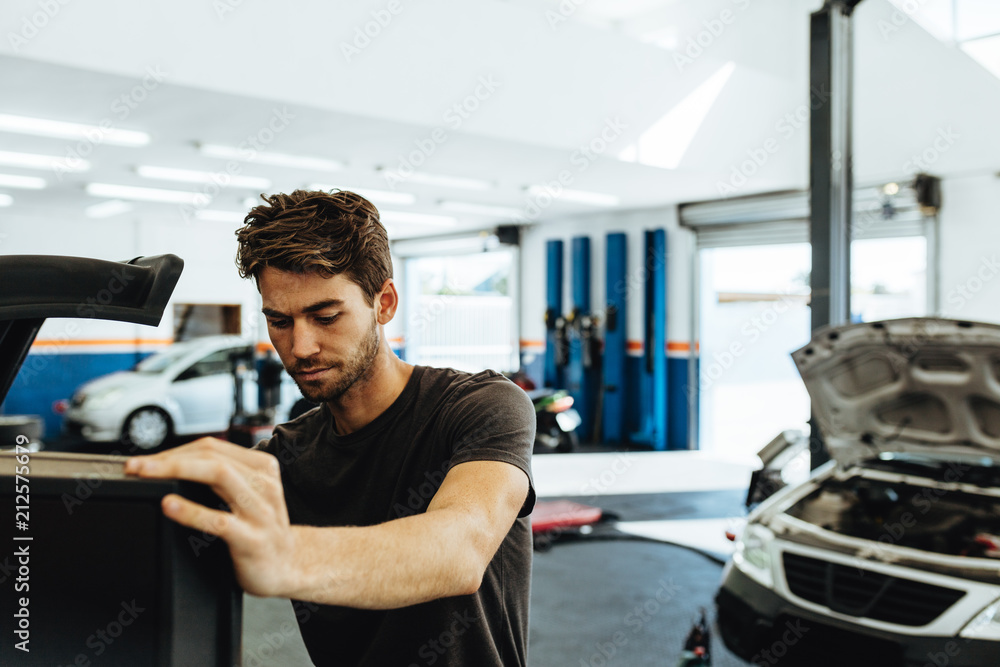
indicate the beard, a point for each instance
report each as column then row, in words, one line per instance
column 355, row 368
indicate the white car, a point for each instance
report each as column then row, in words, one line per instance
column 893, row 548
column 187, row 389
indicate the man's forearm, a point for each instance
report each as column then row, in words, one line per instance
column 394, row 564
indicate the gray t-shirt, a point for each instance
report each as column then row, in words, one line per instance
column 391, row 468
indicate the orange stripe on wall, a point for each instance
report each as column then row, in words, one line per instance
column 127, row 341
column 532, row 343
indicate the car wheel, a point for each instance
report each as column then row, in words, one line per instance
column 146, row 428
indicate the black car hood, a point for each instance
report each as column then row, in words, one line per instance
column 916, row 385
column 36, row 287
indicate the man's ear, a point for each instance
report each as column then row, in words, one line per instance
column 386, row 302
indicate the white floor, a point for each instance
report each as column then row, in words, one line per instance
column 636, row 472
column 593, row 475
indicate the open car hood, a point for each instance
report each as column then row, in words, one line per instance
column 36, row 287
column 915, row 385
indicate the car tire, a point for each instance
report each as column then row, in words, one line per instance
column 147, row 429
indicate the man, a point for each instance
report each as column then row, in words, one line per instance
column 395, row 513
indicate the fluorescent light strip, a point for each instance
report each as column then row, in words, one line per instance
column 216, row 215
column 107, row 209
column 378, row 196
column 408, row 218
column 147, row 194
column 447, row 181
column 580, row 196
column 480, row 209
column 5, row 200
column 32, row 161
column 63, row 130
column 267, row 157
column 26, row 182
column 222, row 179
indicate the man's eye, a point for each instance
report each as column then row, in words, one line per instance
column 277, row 324
column 327, row 320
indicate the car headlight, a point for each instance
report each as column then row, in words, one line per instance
column 103, row 399
column 753, row 554
column 986, row 625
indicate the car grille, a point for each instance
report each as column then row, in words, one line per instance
column 857, row 592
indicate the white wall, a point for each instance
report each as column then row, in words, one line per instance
column 209, row 276
column 970, row 248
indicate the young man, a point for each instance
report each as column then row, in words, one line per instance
column 396, row 511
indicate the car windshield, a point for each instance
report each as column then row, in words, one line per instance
column 968, row 469
column 158, row 362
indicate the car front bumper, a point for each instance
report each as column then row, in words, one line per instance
column 761, row 626
column 93, row 425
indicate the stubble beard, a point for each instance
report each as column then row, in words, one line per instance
column 355, row 369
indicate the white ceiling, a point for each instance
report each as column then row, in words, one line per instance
column 558, row 83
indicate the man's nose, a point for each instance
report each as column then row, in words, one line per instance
column 304, row 342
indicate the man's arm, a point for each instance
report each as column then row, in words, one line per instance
column 439, row 553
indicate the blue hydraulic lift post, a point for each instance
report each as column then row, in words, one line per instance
column 653, row 379
column 553, row 311
column 580, row 378
column 657, row 258
column 615, row 340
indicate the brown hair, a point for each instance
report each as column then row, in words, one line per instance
column 329, row 233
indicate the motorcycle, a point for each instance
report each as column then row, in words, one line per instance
column 556, row 419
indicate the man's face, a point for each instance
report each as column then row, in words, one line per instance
column 323, row 329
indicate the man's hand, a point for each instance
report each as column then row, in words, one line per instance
column 260, row 539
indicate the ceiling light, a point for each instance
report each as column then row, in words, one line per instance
column 26, row 182
column 6, row 200
column 62, row 130
column 445, row 181
column 891, row 188
column 480, row 209
column 106, row 209
column 593, row 198
column 220, row 178
column 377, row 196
column 32, row 161
column 147, row 194
column 405, row 217
column 215, row 215
column 267, row 157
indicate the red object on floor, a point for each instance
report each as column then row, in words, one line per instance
column 551, row 514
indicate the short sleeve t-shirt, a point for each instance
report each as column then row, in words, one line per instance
column 391, row 468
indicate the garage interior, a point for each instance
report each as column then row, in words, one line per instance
column 646, row 204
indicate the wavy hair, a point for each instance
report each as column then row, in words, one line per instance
column 329, row 233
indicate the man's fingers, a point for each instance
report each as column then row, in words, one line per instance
column 246, row 491
column 198, row 517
